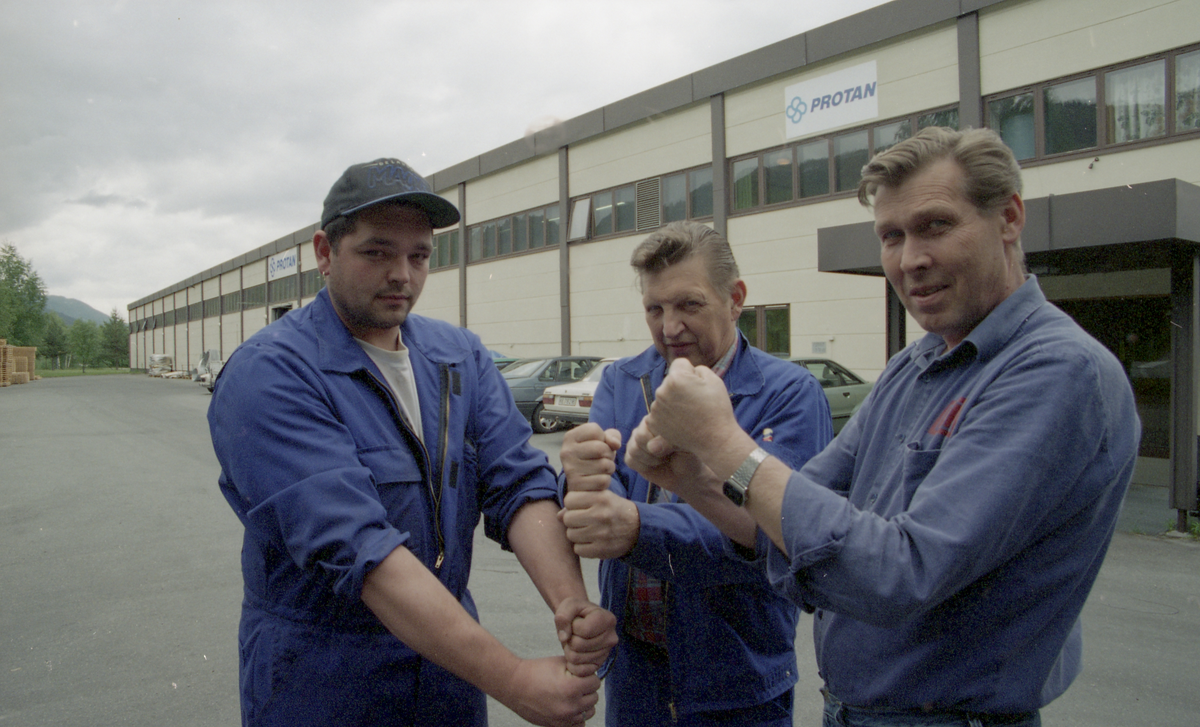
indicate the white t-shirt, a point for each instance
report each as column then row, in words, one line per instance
column 398, row 371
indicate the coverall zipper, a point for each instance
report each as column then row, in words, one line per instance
column 435, row 493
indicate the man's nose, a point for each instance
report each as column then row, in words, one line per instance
column 914, row 256
column 399, row 271
column 672, row 324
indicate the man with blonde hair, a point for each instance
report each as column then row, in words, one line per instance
column 947, row 539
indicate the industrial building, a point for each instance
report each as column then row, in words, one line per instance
column 1100, row 99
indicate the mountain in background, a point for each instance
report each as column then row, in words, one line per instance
column 70, row 309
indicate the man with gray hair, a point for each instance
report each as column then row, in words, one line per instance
column 948, row 538
column 704, row 639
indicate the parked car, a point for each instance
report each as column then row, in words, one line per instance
column 528, row 378
column 572, row 403
column 207, row 368
column 500, row 359
column 844, row 389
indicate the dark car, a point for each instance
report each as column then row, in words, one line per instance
column 528, row 378
column 844, row 389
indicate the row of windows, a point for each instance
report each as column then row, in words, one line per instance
column 530, row 230
column 288, row 289
column 1147, row 99
column 647, row 204
column 823, row 166
column 643, row 205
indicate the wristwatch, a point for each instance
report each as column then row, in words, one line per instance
column 737, row 486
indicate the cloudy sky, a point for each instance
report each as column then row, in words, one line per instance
column 142, row 141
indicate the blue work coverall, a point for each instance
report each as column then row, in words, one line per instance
column 318, row 464
column 730, row 637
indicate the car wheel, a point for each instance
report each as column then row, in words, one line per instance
column 542, row 424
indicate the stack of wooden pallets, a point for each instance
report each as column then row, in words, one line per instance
column 6, row 363
column 25, row 364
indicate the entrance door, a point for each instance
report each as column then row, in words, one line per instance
column 1138, row 331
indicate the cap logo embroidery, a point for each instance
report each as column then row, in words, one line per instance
column 390, row 174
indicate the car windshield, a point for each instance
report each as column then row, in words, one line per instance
column 594, row 374
column 523, row 369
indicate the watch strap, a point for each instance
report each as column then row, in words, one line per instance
column 737, row 487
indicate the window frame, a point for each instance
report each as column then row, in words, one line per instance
column 1171, row 133
column 502, row 231
column 583, row 229
column 830, row 140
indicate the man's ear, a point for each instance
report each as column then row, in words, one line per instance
column 324, row 251
column 738, row 295
column 1012, row 217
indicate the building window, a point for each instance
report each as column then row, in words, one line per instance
column 522, row 232
column 817, row 167
column 674, row 198
column 625, row 208
column 232, row 302
column 700, row 193
column 1070, row 110
column 445, row 250
column 1135, row 102
column 942, row 117
column 1012, row 118
column 777, row 176
column 212, row 307
column 1187, row 91
column 768, row 327
column 813, row 167
column 1125, row 104
column 254, row 296
column 169, row 318
column 311, row 282
column 602, row 205
column 851, row 152
column 195, row 311
column 889, row 135
column 686, row 195
column 284, row 289
column 745, row 183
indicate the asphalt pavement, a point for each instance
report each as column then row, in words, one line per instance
column 120, row 582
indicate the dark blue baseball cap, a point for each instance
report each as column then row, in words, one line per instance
column 383, row 180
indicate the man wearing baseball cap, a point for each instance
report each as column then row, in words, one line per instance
column 359, row 444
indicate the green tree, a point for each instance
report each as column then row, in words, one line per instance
column 114, row 341
column 54, row 339
column 22, row 299
column 84, row 340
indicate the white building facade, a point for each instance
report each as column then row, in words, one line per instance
column 1100, row 99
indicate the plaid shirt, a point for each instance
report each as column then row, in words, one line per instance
column 646, row 609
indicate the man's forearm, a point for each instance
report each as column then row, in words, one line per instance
column 709, row 500
column 540, row 543
column 410, row 601
column 764, row 501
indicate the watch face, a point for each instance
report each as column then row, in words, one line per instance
column 736, row 495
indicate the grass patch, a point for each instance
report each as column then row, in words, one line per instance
column 92, row 371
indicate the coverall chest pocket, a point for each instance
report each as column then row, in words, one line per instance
column 916, row 467
column 402, row 492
